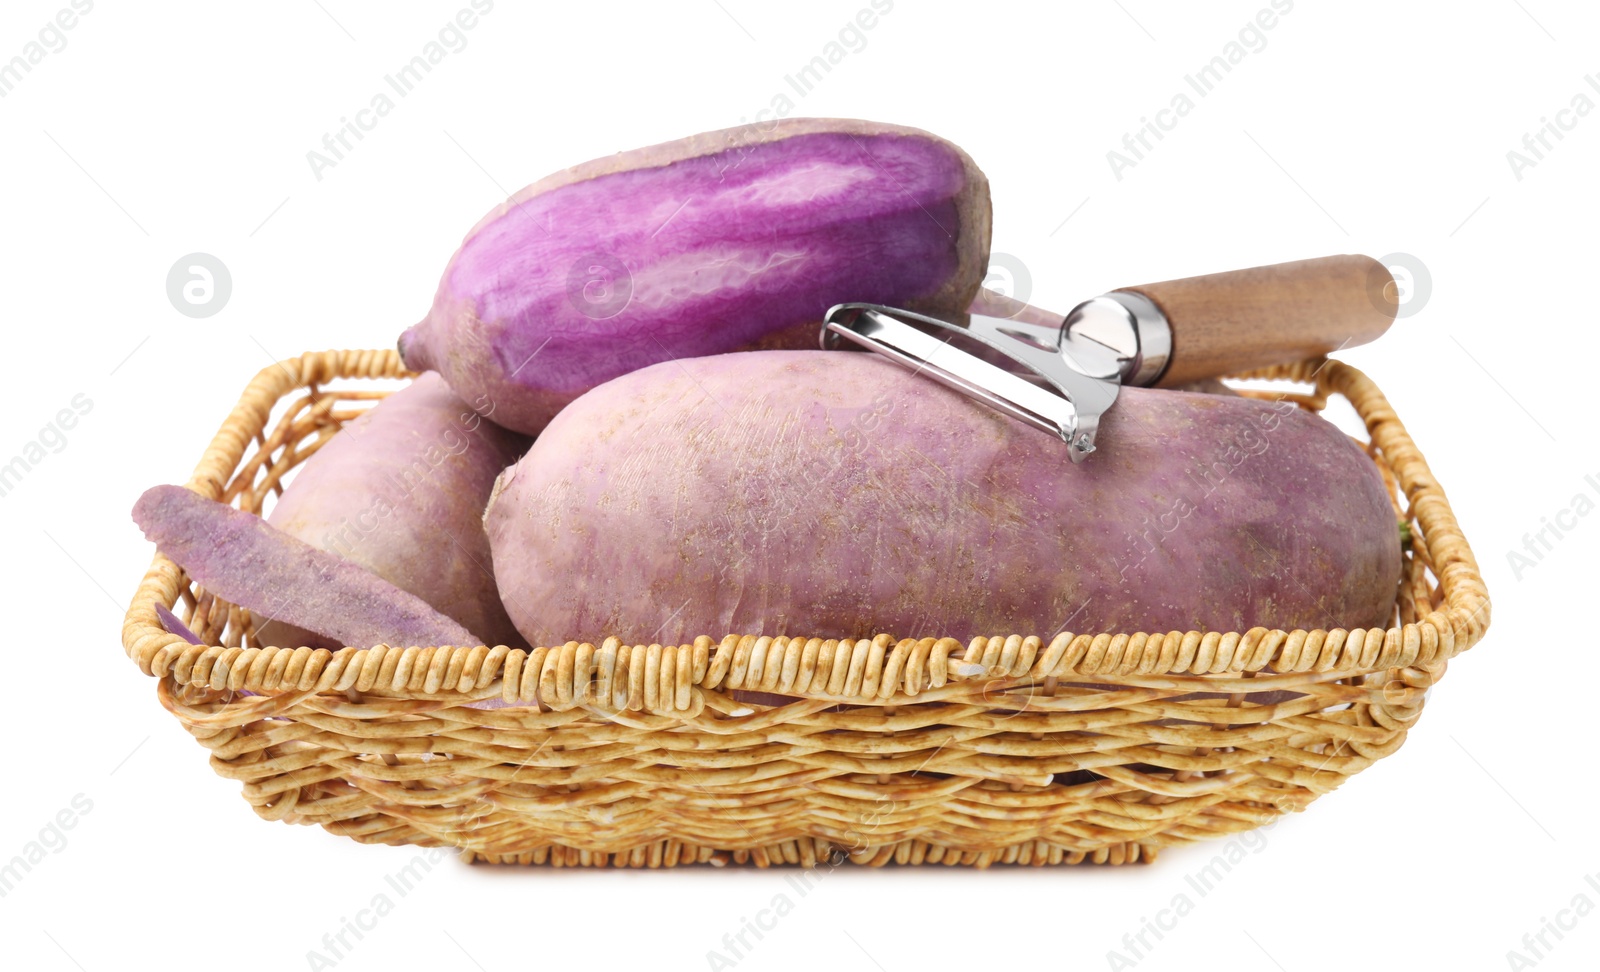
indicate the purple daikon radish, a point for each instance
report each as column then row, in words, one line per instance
column 400, row 491
column 731, row 240
column 834, row 494
column 240, row 557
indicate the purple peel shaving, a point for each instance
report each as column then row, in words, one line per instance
column 174, row 626
column 170, row 622
column 240, row 557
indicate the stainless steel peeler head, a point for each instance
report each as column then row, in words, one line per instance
column 1062, row 377
column 1059, row 379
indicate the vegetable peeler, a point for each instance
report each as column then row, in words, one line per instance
column 1062, row 376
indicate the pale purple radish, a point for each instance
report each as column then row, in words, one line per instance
column 241, row 558
column 834, row 494
column 400, row 491
column 729, row 240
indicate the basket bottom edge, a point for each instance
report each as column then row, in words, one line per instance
column 813, row 853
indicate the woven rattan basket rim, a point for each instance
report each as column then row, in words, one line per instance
column 866, row 671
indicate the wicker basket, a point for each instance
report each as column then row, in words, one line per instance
column 1092, row 748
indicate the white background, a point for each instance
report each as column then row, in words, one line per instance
column 161, row 130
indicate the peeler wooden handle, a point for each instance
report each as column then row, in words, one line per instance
column 1242, row 319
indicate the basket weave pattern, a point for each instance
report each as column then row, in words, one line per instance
column 1083, row 747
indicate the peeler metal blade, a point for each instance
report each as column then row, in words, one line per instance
column 1061, row 376
column 1020, row 369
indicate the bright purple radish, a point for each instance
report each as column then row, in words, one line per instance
column 729, row 240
